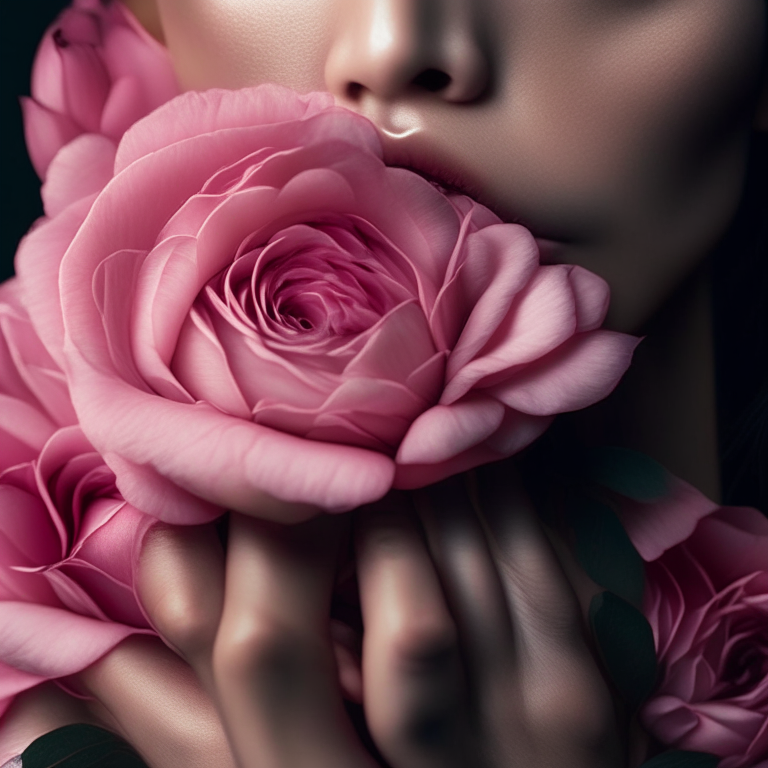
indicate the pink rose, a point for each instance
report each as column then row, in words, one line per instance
column 706, row 599
column 95, row 74
column 707, row 602
column 258, row 307
column 67, row 538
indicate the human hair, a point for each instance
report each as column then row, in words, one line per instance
column 740, row 304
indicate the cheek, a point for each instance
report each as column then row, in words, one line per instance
column 239, row 43
column 634, row 141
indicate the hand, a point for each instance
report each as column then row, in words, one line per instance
column 142, row 691
column 259, row 640
column 474, row 651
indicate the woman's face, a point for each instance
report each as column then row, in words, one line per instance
column 616, row 130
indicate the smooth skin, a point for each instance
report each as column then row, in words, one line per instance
column 617, row 130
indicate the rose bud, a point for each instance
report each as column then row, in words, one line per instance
column 96, row 72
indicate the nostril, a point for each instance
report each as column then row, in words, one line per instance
column 354, row 90
column 432, row 80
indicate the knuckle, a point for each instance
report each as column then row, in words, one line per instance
column 423, row 647
column 180, row 587
column 180, row 618
column 387, row 537
column 276, row 663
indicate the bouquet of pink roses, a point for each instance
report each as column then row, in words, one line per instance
column 233, row 300
column 245, row 303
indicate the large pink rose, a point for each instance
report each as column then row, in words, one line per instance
column 95, row 74
column 67, row 538
column 706, row 599
column 257, row 307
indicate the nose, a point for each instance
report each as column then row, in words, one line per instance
column 386, row 49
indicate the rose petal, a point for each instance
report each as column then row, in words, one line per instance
column 216, row 110
column 244, row 464
column 25, row 525
column 85, row 85
column 543, row 317
column 409, row 476
column 25, row 640
column 201, row 362
column 80, row 170
column 37, row 265
column 45, row 133
column 734, row 541
column 498, row 263
column 400, row 344
column 443, row 431
column 592, row 296
column 23, row 431
column 517, row 431
column 582, row 371
column 657, row 526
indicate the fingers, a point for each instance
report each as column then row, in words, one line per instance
column 273, row 660
column 539, row 595
column 181, row 586
column 470, row 581
column 536, row 689
column 36, row 712
column 149, row 695
column 570, row 701
column 414, row 687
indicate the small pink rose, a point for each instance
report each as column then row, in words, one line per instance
column 707, row 602
column 257, row 306
column 95, row 74
column 67, row 538
column 68, row 542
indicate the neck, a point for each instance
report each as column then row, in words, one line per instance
column 666, row 404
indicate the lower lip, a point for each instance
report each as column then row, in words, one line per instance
column 550, row 251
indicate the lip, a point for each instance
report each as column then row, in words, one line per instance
column 412, row 151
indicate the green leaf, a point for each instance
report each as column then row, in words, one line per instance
column 683, row 760
column 625, row 641
column 605, row 551
column 627, row 472
column 80, row 746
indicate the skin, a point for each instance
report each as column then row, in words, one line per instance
column 617, row 131
column 637, row 196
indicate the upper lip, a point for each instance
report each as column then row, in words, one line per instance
column 414, row 154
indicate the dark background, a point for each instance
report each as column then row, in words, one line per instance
column 740, row 297
column 22, row 23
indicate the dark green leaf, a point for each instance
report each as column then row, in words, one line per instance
column 627, row 472
column 625, row 641
column 605, row 551
column 80, row 746
column 683, row 760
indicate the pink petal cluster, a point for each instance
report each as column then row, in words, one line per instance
column 707, row 602
column 257, row 307
column 96, row 73
column 67, row 538
column 34, row 399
